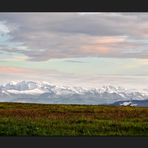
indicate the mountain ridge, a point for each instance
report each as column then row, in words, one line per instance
column 45, row 92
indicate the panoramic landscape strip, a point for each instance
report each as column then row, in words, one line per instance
column 73, row 74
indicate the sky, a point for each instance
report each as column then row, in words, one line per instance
column 74, row 48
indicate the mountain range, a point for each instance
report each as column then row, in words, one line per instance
column 44, row 92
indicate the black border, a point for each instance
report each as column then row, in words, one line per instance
column 73, row 6
column 70, row 142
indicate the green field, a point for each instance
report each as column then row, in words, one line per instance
column 18, row 119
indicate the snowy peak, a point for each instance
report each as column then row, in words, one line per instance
column 24, row 85
column 45, row 92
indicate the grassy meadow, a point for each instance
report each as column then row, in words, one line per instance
column 20, row 119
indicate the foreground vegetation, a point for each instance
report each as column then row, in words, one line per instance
column 18, row 119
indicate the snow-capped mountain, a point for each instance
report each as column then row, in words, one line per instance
column 44, row 92
column 132, row 103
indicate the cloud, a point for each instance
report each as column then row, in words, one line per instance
column 43, row 36
column 7, row 69
column 75, row 61
column 3, row 28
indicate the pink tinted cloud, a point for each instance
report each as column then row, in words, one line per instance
column 102, row 45
column 113, row 46
column 15, row 70
column 95, row 49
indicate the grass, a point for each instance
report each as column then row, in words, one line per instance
column 18, row 119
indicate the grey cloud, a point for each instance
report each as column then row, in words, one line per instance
column 61, row 35
column 75, row 61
